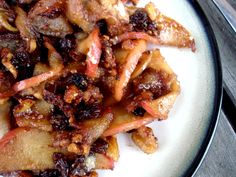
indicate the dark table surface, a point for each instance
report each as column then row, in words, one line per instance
column 220, row 160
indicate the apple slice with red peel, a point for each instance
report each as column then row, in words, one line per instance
column 160, row 107
column 128, row 67
column 170, row 32
column 124, row 121
column 156, row 109
column 104, row 162
column 31, row 149
column 91, row 46
column 26, row 149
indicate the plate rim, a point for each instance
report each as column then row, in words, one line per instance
column 217, row 67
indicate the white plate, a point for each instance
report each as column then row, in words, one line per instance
column 185, row 136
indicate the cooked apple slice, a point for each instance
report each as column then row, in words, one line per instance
column 128, row 67
column 42, row 124
column 124, row 121
column 26, row 149
column 91, row 46
column 33, row 113
column 92, row 129
column 171, row 33
column 156, row 109
column 4, row 117
column 158, row 63
column 160, row 107
column 174, row 34
column 142, row 64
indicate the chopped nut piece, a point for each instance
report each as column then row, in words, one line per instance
column 144, row 138
column 80, row 149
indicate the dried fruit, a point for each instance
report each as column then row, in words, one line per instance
column 141, row 21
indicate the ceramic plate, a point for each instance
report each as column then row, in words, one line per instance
column 186, row 135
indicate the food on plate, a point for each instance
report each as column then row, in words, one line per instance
column 73, row 75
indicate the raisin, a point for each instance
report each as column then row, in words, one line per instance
column 49, row 173
column 23, row 64
column 88, row 111
column 6, row 81
column 102, row 24
column 71, row 165
column 79, row 80
column 66, row 44
column 79, row 168
column 59, row 122
column 51, row 87
column 99, row 146
column 61, row 164
column 21, row 59
column 142, row 22
column 139, row 111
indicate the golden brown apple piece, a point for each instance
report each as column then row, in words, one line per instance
column 171, row 33
column 174, row 34
column 92, row 129
column 31, row 149
column 156, row 109
column 143, row 63
column 26, row 149
column 33, row 113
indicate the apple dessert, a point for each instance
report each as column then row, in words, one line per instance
column 73, row 75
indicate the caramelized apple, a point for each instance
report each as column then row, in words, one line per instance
column 124, row 121
column 160, row 107
column 92, row 129
column 26, row 149
column 128, row 67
